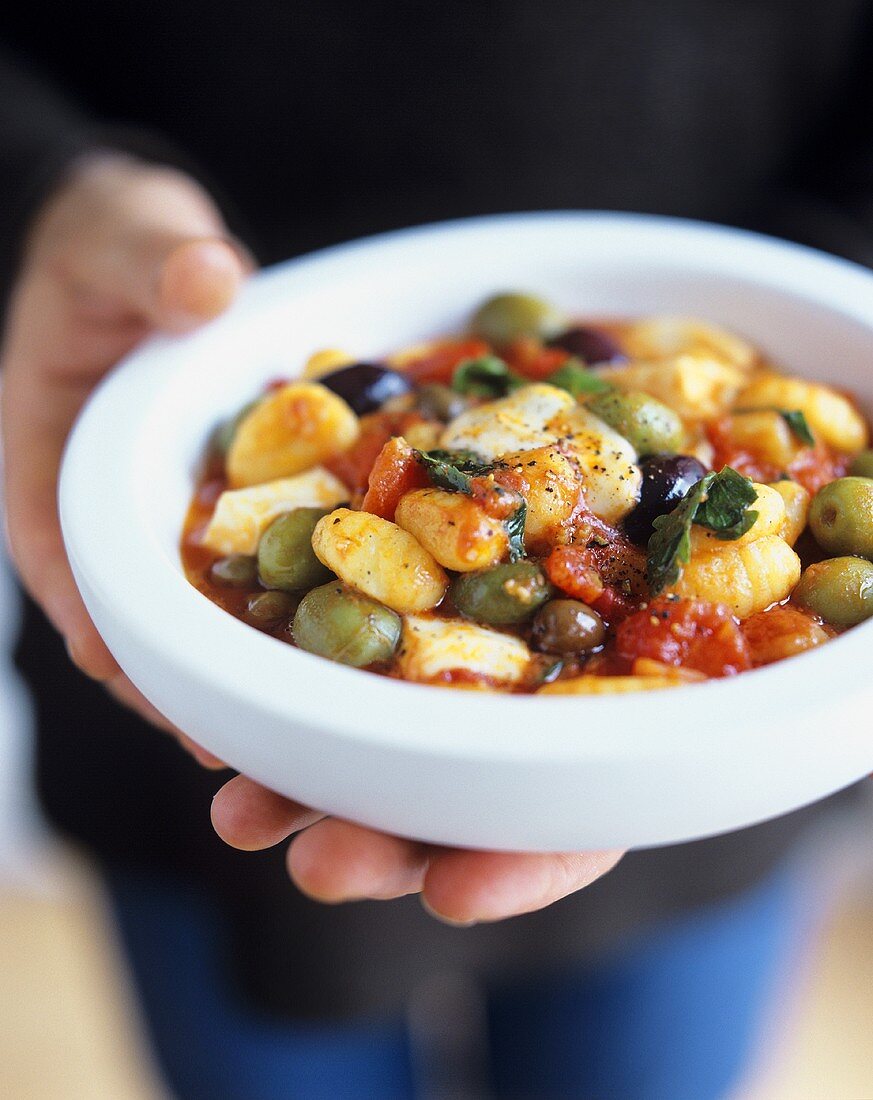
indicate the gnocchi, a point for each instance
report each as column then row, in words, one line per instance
column 487, row 512
column 289, row 431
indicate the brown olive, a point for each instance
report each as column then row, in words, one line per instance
column 567, row 626
column 268, row 609
column 438, row 402
column 235, row 571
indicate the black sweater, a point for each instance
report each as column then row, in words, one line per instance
column 326, row 120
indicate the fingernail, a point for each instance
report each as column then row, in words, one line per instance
column 442, row 918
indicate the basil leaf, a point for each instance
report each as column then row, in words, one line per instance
column 468, row 461
column 725, row 508
column 577, row 379
column 443, row 473
column 797, row 422
column 515, row 530
column 719, row 502
column 452, row 470
column 485, row 377
column 794, row 418
column 669, row 547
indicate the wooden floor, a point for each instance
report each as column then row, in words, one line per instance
column 69, row 1029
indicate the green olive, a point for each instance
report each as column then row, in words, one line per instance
column 336, row 622
column 841, row 516
column 567, row 626
column 235, row 571
column 286, row 559
column 862, row 465
column 222, row 436
column 505, row 317
column 268, row 609
column 648, row 425
column 502, row 595
column 839, row 589
column 438, row 402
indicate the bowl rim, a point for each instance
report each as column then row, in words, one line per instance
column 163, row 612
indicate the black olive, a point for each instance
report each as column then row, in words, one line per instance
column 592, row 345
column 666, row 479
column 366, row 386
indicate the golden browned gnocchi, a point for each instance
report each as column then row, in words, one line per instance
column 597, row 509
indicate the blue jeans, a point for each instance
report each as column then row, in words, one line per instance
column 670, row 1017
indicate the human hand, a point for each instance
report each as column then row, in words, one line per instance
column 119, row 250
column 333, row 860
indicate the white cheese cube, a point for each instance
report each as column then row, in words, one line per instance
column 242, row 515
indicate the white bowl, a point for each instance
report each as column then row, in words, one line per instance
column 493, row 771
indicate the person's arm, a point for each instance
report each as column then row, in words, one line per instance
column 114, row 248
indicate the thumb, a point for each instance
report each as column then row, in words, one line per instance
column 197, row 279
column 162, row 250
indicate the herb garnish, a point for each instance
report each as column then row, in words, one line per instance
column 797, row 422
column 794, row 418
column 485, row 377
column 515, row 530
column 577, row 379
column 719, row 502
column 452, row 469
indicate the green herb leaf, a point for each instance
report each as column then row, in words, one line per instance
column 794, row 418
column 485, row 377
column 515, row 530
column 797, row 422
column 468, row 461
column 669, row 547
column 725, row 508
column 452, row 470
column 577, row 379
column 719, row 502
column 444, row 474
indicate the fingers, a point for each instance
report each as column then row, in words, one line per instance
column 337, row 861
column 121, row 248
column 204, row 757
column 248, row 816
column 197, row 280
column 157, row 244
column 464, row 887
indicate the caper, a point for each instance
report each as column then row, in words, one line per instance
column 648, row 425
column 567, row 626
column 235, row 571
column 839, row 589
column 336, row 622
column 505, row 317
column 268, row 609
column 841, row 516
column 502, row 595
column 862, row 465
column 438, row 402
column 286, row 559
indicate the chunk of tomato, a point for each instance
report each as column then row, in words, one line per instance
column 685, row 634
column 396, row 471
column 438, row 362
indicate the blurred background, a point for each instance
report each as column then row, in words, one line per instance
column 70, row 1027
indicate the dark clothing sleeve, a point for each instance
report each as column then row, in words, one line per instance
column 825, row 199
column 41, row 132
